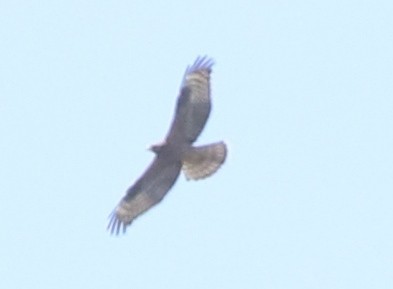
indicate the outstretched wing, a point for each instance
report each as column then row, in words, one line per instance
column 193, row 104
column 148, row 190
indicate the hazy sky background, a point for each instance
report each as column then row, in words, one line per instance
column 302, row 94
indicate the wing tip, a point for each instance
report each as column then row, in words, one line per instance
column 115, row 224
column 201, row 62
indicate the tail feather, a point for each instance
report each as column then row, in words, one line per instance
column 203, row 161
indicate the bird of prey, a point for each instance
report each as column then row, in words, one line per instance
column 176, row 153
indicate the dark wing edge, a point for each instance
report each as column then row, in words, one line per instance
column 147, row 191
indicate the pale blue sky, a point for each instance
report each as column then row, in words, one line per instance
column 302, row 94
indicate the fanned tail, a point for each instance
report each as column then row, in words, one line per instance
column 203, row 161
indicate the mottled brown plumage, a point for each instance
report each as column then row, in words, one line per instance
column 176, row 153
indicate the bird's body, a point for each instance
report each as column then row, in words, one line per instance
column 177, row 152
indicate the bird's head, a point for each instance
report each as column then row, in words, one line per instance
column 157, row 148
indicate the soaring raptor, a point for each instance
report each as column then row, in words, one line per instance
column 177, row 152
